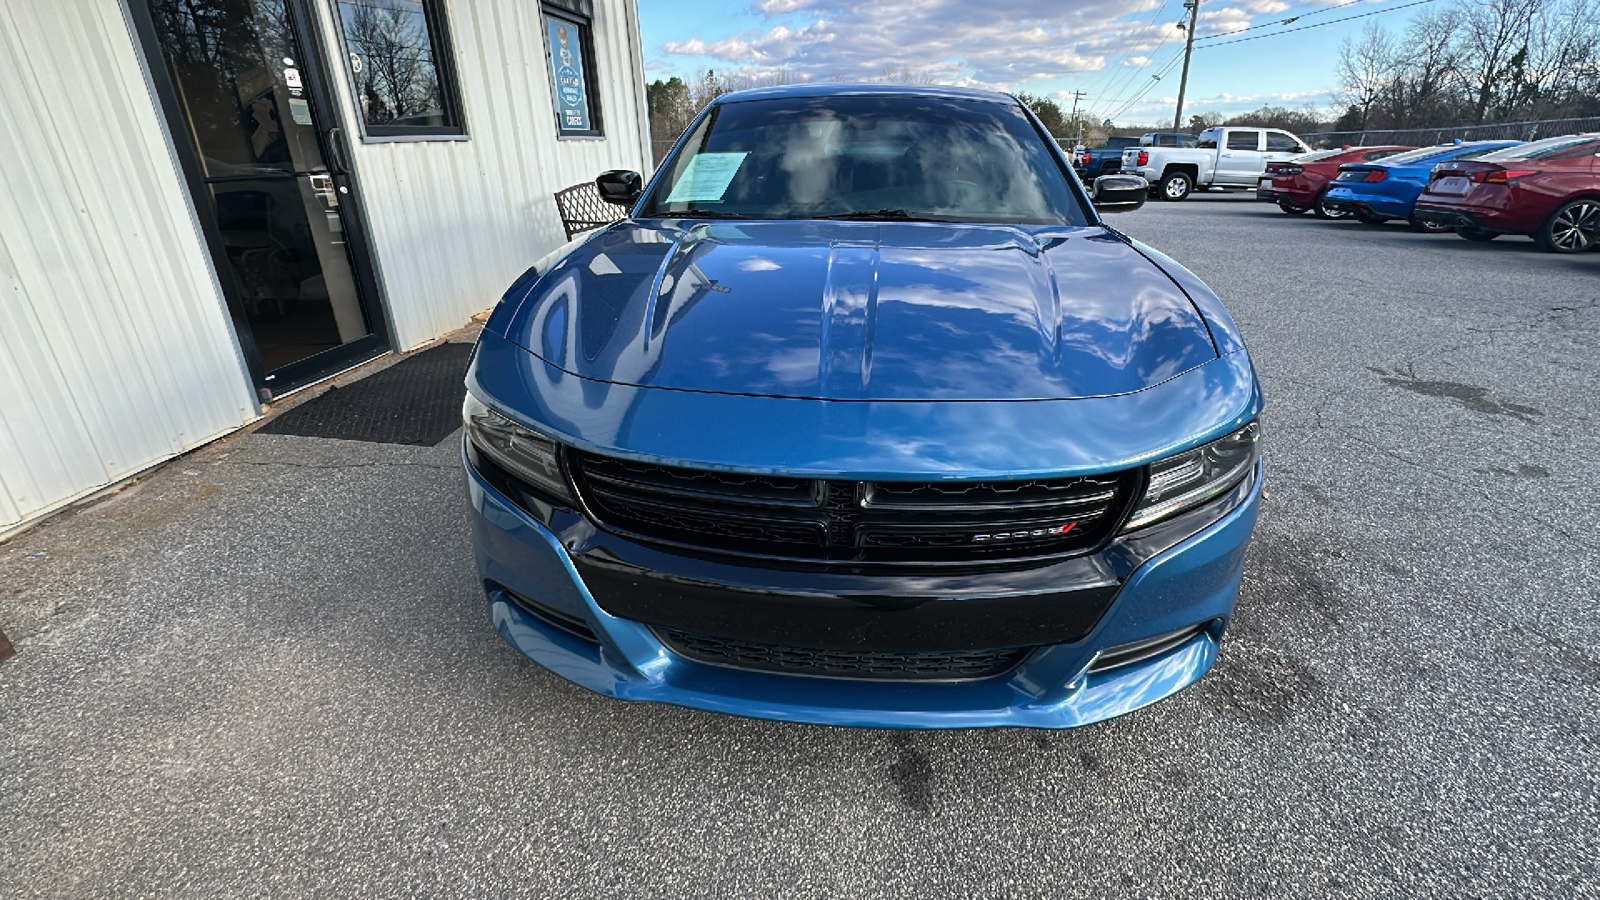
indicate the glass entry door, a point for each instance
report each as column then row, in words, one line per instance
column 270, row 183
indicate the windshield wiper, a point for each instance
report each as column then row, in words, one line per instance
column 861, row 215
column 712, row 214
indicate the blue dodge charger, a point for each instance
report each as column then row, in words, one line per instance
column 862, row 416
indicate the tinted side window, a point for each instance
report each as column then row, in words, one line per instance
column 1278, row 142
column 1243, row 140
column 1207, row 141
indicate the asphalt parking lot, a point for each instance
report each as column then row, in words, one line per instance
column 266, row 669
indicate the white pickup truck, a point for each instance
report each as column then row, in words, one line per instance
column 1225, row 157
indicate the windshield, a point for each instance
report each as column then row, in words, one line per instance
column 868, row 157
column 1317, row 154
column 1549, row 148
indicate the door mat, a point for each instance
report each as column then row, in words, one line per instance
column 417, row 401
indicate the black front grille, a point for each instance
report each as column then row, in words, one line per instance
column 914, row 666
column 852, row 521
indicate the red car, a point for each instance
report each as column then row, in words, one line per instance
column 1549, row 190
column 1297, row 184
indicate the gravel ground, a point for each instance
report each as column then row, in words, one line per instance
column 266, row 669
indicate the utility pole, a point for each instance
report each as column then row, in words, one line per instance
column 1077, row 129
column 1193, row 6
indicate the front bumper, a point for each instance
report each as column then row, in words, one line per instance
column 1193, row 582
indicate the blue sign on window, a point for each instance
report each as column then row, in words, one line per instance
column 566, row 69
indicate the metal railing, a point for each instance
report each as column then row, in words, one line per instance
column 1444, row 134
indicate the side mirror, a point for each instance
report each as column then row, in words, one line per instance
column 619, row 186
column 1119, row 193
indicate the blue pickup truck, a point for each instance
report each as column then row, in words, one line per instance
column 1092, row 162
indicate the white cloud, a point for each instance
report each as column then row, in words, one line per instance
column 998, row 44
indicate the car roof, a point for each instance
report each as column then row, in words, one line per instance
column 1436, row 150
column 852, row 90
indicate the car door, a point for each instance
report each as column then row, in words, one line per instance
column 1560, row 174
column 1282, row 145
column 1240, row 158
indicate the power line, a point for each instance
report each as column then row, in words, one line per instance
column 1317, row 24
column 1121, row 103
column 1132, row 82
column 1168, row 65
column 1115, row 82
column 1154, row 80
column 1077, row 127
column 1289, row 21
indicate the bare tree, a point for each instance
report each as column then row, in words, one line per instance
column 395, row 74
column 1427, row 75
column 1563, row 65
column 1292, row 120
column 1367, row 69
column 1494, row 41
column 902, row 74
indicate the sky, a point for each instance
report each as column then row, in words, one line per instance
column 1108, row 49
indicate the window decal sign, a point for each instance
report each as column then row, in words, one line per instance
column 707, row 177
column 566, row 65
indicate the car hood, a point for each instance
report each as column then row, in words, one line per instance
column 861, row 311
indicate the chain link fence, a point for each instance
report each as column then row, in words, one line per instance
column 1424, row 137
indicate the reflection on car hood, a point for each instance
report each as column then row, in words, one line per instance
column 862, row 311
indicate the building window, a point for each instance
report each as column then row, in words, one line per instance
column 569, row 45
column 399, row 60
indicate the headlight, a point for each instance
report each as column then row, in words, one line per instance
column 531, row 457
column 1188, row 479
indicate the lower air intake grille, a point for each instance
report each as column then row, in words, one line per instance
column 1149, row 648
column 917, row 666
column 852, row 521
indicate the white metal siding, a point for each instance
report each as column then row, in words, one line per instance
column 115, row 349
column 454, row 222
